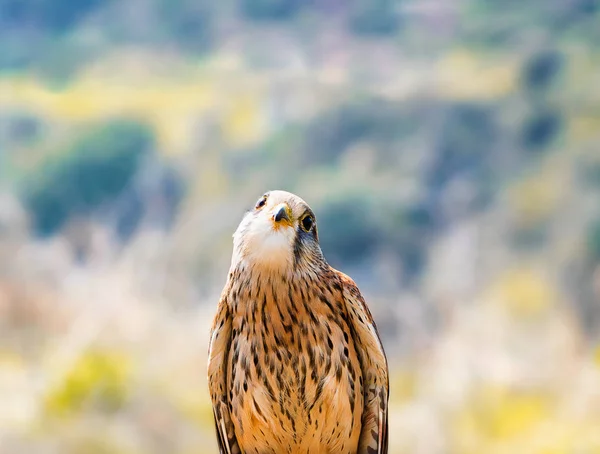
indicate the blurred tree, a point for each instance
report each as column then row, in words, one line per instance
column 374, row 17
column 53, row 15
column 576, row 14
column 329, row 135
column 465, row 147
column 587, row 7
column 352, row 233
column 540, row 129
column 467, row 130
column 529, row 238
column 188, row 23
column 20, row 128
column 31, row 29
column 408, row 230
column 58, row 62
column 581, row 277
column 359, row 226
column 130, row 210
column 590, row 171
column 270, row 9
column 154, row 196
column 541, row 70
column 95, row 169
column 593, row 242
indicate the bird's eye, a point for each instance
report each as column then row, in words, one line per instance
column 261, row 202
column 307, row 223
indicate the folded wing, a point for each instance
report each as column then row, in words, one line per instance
column 374, row 432
column 218, row 352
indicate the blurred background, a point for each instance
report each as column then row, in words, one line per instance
column 450, row 150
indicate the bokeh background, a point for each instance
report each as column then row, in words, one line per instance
column 451, row 152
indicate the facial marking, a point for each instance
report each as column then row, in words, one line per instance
column 261, row 240
column 272, row 235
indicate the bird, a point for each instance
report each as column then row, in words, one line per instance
column 295, row 361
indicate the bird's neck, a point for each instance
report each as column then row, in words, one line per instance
column 287, row 269
column 276, row 307
column 255, row 284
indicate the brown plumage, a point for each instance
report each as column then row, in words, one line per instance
column 295, row 361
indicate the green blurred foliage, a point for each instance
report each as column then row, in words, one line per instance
column 374, row 17
column 51, row 15
column 374, row 120
column 590, row 172
column 351, row 232
column 94, row 169
column 358, row 227
column 529, row 238
column 187, row 23
column 541, row 129
column 593, row 241
column 468, row 133
column 269, row 9
column 409, row 232
column 20, row 128
column 31, row 28
column 541, row 70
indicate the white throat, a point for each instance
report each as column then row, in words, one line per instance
column 258, row 243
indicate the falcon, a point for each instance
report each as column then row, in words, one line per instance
column 295, row 361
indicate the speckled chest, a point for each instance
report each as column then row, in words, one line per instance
column 295, row 383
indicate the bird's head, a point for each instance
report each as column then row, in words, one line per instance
column 278, row 234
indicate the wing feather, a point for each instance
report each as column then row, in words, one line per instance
column 218, row 353
column 374, row 432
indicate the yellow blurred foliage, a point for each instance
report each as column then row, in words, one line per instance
column 196, row 407
column 96, row 444
column 508, row 414
column 166, row 106
column 535, row 199
column 98, row 378
column 464, row 75
column 403, row 385
column 10, row 360
column 242, row 122
column 597, row 356
column 523, row 292
column 496, row 415
column 585, row 127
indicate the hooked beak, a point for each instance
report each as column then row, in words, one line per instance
column 281, row 214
